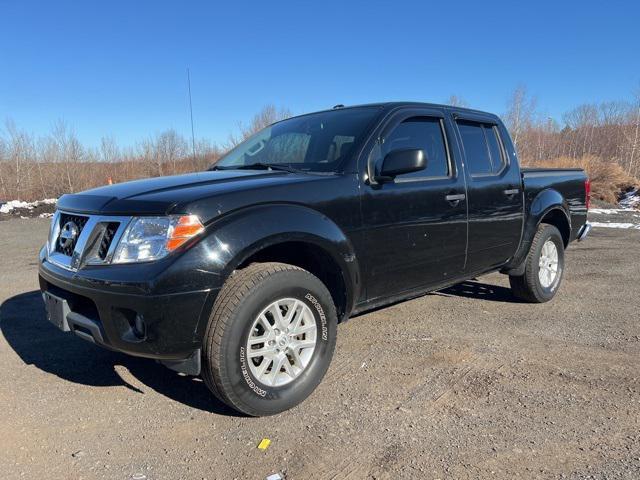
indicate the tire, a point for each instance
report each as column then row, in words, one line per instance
column 228, row 362
column 529, row 287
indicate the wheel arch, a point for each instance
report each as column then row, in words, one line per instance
column 310, row 255
column 549, row 206
column 558, row 218
column 286, row 233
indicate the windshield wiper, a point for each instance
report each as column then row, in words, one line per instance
column 258, row 166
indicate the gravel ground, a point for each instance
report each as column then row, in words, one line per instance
column 464, row 383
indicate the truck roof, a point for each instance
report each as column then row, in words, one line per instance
column 397, row 104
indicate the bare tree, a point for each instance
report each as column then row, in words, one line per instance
column 520, row 112
column 109, row 150
column 582, row 120
column 20, row 153
column 456, row 101
column 147, row 152
column 3, row 159
column 265, row 117
column 67, row 151
column 636, row 131
column 170, row 147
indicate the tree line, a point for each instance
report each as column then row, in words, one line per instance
column 33, row 168
column 603, row 138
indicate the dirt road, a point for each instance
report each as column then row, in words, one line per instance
column 465, row 383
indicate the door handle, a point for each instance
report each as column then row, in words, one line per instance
column 455, row 197
column 511, row 192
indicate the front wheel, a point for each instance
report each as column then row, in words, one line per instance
column 544, row 267
column 270, row 338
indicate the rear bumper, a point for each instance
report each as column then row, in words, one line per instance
column 137, row 320
column 583, row 232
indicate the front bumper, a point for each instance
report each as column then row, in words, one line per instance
column 132, row 316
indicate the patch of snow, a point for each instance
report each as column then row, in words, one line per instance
column 13, row 204
column 10, row 205
column 45, row 215
column 633, row 226
column 631, row 199
column 607, row 211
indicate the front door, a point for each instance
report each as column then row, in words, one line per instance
column 415, row 227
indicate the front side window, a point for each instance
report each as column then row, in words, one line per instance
column 319, row 142
column 424, row 133
column 482, row 148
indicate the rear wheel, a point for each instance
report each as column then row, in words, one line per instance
column 270, row 338
column 544, row 267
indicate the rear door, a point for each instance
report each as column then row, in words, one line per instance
column 494, row 190
column 415, row 228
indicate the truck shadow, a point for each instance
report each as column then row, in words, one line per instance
column 38, row 343
column 480, row 291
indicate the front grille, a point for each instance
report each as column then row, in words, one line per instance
column 79, row 221
column 107, row 237
column 79, row 240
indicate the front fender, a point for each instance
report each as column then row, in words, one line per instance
column 235, row 237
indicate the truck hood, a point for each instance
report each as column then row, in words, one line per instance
column 175, row 194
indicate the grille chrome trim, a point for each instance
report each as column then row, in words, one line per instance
column 110, row 231
column 78, row 223
column 88, row 241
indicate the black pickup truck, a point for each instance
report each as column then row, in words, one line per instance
column 242, row 273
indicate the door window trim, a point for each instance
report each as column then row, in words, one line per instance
column 443, row 132
column 396, row 119
column 484, row 123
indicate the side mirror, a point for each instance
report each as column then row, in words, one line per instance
column 399, row 162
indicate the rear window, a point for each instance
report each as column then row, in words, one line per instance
column 482, row 148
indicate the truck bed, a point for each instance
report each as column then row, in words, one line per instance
column 567, row 182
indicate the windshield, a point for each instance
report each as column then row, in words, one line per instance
column 318, row 142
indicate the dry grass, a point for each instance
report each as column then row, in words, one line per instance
column 51, row 180
column 608, row 179
column 37, row 167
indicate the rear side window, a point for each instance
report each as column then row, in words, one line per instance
column 483, row 151
column 424, row 133
column 495, row 148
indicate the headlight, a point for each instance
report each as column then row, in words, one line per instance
column 151, row 238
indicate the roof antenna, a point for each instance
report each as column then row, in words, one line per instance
column 336, row 107
column 193, row 136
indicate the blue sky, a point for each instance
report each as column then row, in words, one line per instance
column 119, row 67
